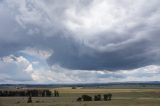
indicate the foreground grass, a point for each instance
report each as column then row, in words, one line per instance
column 68, row 96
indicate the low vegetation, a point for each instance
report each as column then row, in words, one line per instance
column 69, row 97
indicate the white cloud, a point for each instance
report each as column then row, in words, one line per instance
column 20, row 70
column 57, row 74
column 42, row 54
column 148, row 73
column 110, row 15
column 124, row 21
column 14, row 69
column 43, row 16
column 117, row 22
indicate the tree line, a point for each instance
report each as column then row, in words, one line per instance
column 33, row 93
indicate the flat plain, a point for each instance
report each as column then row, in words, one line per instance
column 68, row 96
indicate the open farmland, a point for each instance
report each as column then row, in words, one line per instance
column 68, row 96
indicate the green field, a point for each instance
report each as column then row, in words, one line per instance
column 68, row 96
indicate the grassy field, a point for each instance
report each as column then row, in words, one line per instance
column 68, row 96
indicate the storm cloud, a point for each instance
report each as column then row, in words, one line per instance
column 92, row 35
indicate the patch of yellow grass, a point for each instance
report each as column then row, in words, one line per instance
column 102, row 90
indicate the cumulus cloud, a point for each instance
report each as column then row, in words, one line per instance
column 15, row 69
column 87, row 36
column 22, row 71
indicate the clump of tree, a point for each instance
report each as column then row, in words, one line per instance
column 56, row 93
column 79, row 99
column 84, row 98
column 97, row 97
column 106, row 97
column 74, row 87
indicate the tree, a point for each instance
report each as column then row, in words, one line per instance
column 29, row 99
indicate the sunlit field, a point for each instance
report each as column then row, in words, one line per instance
column 68, row 96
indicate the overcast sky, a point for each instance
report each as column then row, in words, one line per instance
column 79, row 41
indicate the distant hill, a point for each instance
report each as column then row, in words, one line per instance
column 149, row 84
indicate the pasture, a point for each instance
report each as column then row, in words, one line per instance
column 68, row 96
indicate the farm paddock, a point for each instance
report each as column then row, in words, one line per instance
column 68, row 97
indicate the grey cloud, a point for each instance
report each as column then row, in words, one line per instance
column 132, row 56
column 131, row 48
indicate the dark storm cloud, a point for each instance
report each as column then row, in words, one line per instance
column 133, row 56
column 128, row 46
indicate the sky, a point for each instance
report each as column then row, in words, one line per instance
column 79, row 41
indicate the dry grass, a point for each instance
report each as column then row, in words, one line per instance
column 102, row 90
column 68, row 96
